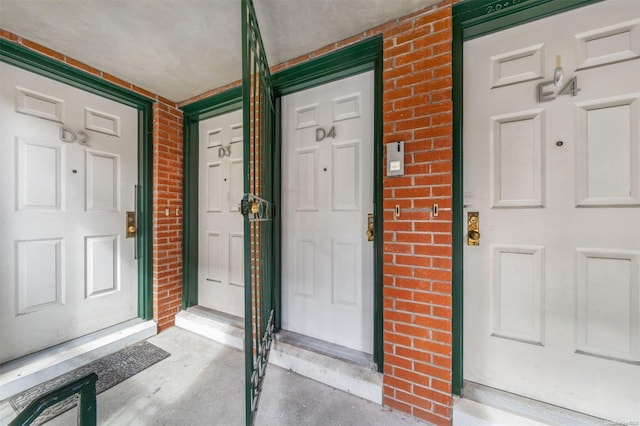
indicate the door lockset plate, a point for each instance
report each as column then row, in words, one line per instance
column 473, row 228
column 370, row 227
column 132, row 225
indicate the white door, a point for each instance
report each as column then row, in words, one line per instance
column 327, row 192
column 220, row 246
column 552, row 293
column 66, row 269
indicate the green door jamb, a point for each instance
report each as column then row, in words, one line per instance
column 29, row 60
column 472, row 19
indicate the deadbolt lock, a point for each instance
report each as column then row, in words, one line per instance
column 132, row 227
column 473, row 228
column 369, row 227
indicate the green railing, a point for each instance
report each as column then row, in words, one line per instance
column 87, row 407
column 257, row 206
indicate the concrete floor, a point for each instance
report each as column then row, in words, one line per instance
column 202, row 383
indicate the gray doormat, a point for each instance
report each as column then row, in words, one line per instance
column 111, row 370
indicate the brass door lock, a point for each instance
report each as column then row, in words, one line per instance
column 473, row 228
column 369, row 227
column 132, row 225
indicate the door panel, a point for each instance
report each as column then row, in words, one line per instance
column 67, row 177
column 327, row 187
column 552, row 293
column 220, row 271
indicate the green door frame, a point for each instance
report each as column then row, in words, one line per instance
column 29, row 60
column 472, row 19
column 351, row 60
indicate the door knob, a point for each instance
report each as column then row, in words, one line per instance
column 369, row 232
column 473, row 228
column 132, row 227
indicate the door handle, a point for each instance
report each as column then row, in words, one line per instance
column 473, row 228
column 369, row 232
column 131, row 223
column 132, row 228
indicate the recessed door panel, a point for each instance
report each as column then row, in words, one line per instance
column 346, row 176
column 39, row 105
column 608, row 151
column 39, row 183
column 40, row 274
column 518, row 299
column 102, row 181
column 606, row 45
column 517, row 168
column 102, row 265
column 214, row 254
column 608, row 303
column 305, row 268
column 236, row 259
column 517, row 66
column 307, row 178
column 102, row 122
column 346, row 280
column 214, row 187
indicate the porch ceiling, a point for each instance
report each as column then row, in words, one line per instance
column 182, row 48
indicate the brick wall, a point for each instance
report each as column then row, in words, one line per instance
column 417, row 245
column 167, row 213
column 167, row 187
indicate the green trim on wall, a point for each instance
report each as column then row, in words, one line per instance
column 190, row 207
column 457, row 241
column 277, row 220
column 472, row 19
column 481, row 17
column 29, row 60
column 221, row 103
column 145, row 213
column 345, row 62
column 342, row 63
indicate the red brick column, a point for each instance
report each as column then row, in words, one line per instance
column 417, row 245
column 167, row 212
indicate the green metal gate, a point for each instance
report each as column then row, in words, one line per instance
column 257, row 206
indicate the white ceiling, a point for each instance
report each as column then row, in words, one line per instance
column 182, row 48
